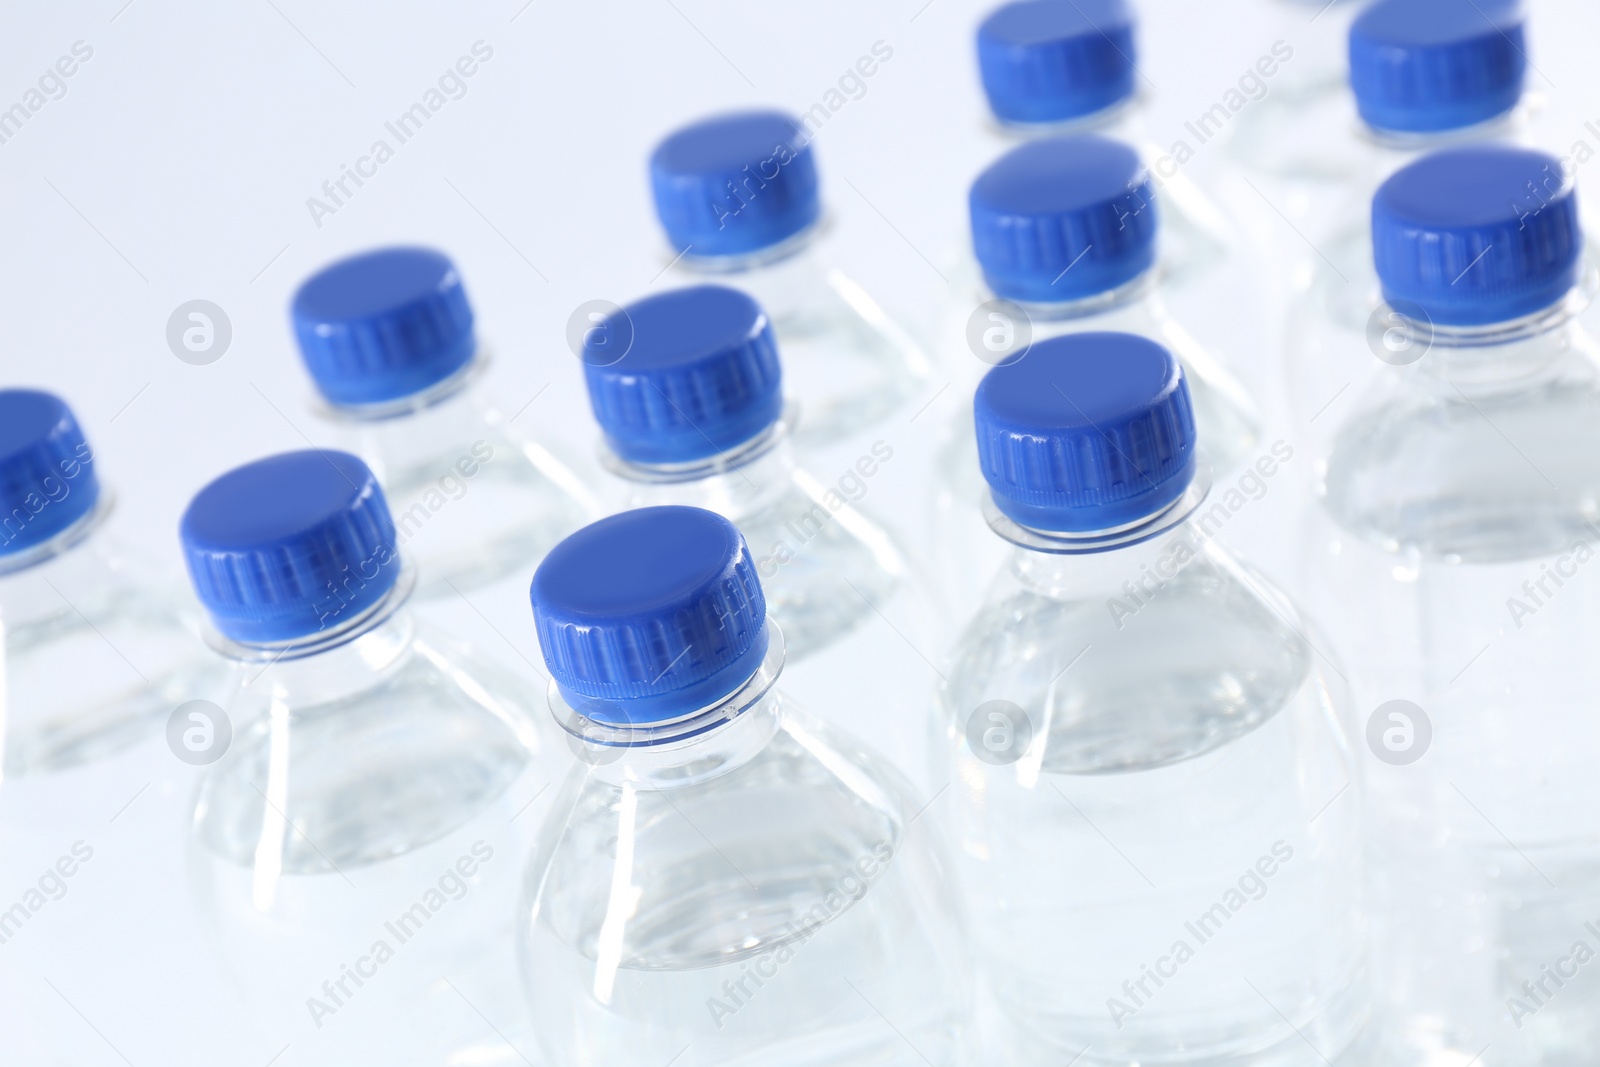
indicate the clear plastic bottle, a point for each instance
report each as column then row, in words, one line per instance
column 388, row 337
column 725, row 880
column 1055, row 67
column 1159, row 824
column 1464, row 491
column 737, row 195
column 693, row 414
column 355, row 852
column 1064, row 232
column 93, row 658
column 1425, row 74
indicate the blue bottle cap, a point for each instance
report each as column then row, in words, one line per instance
column 1477, row 234
column 1062, row 219
column 1421, row 66
column 47, row 476
column 645, row 616
column 383, row 325
column 290, row 546
column 734, row 184
column 1088, row 431
column 1047, row 61
column 701, row 376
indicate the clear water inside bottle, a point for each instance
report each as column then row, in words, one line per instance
column 1465, row 495
column 357, row 851
column 1168, row 873
column 763, row 895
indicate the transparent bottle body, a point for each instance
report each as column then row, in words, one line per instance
column 1169, row 872
column 1461, row 503
column 355, row 853
column 856, row 620
column 761, row 893
column 94, row 658
column 846, row 362
column 473, row 500
column 1197, row 237
column 961, row 547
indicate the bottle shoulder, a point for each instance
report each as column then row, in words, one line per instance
column 367, row 761
column 764, row 841
column 1178, row 651
column 1465, row 469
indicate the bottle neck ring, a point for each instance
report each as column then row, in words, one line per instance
column 1056, row 542
column 323, row 640
column 742, row 455
column 64, row 541
column 599, row 739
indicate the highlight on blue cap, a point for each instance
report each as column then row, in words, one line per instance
column 1044, row 61
column 47, row 475
column 383, row 325
column 734, row 184
column 701, row 377
column 1088, row 431
column 1478, row 234
column 648, row 615
column 1063, row 218
column 290, row 546
column 1422, row 66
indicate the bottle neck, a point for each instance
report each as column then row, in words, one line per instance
column 788, row 279
column 305, row 674
column 734, row 483
column 1111, row 539
column 362, row 642
column 60, row 543
column 441, row 436
column 1503, row 353
column 772, row 257
column 1134, row 572
column 1405, row 145
column 34, row 581
column 686, row 749
column 440, row 393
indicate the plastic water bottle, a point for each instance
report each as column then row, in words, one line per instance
column 1423, row 74
column 737, row 195
column 1053, row 67
column 94, row 659
column 724, row 879
column 1159, row 826
column 357, row 849
column 389, row 339
column 1065, row 235
column 1464, row 490
column 693, row 414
